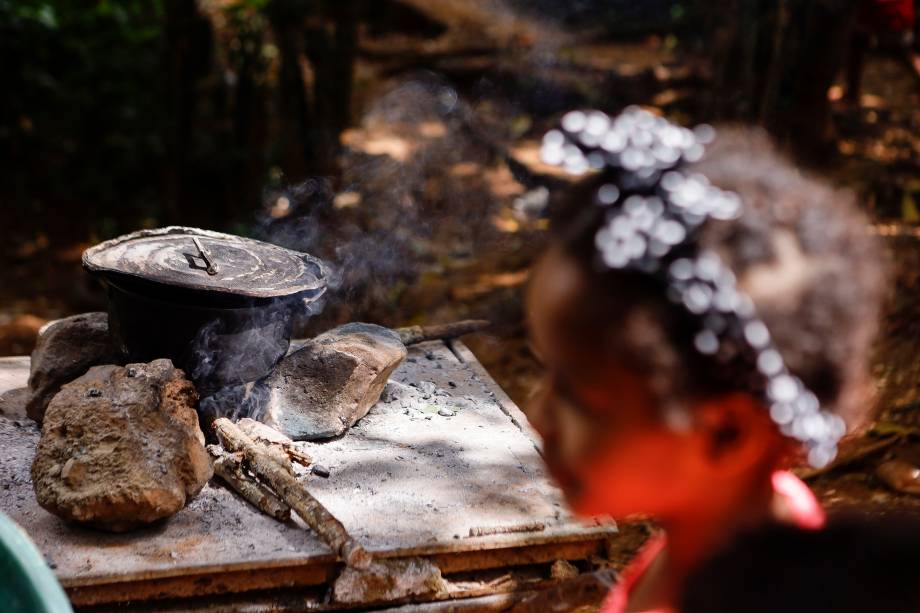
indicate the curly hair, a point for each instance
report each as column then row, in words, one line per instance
column 801, row 251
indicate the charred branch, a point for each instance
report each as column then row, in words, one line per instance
column 418, row 334
column 282, row 448
column 326, row 526
column 229, row 467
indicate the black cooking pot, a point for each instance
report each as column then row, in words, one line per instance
column 221, row 307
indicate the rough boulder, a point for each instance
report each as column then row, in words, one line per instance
column 322, row 389
column 121, row 447
column 66, row 349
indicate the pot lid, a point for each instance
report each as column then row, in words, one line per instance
column 203, row 260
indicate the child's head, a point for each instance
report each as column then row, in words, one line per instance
column 635, row 418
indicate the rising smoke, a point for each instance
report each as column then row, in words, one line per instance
column 406, row 171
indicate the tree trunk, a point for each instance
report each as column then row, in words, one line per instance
column 249, row 129
column 293, row 111
column 331, row 45
column 774, row 61
column 178, row 131
column 803, row 119
column 189, row 44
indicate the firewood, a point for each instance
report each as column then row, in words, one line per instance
column 279, row 456
column 326, row 526
column 418, row 334
column 268, row 436
column 298, row 456
column 229, row 467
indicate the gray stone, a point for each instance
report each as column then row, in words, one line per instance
column 322, row 389
column 389, row 579
column 396, row 391
column 67, row 348
column 562, row 570
column 119, row 451
column 12, row 402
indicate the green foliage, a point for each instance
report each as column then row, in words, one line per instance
column 81, row 112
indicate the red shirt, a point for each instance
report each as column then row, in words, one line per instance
column 799, row 506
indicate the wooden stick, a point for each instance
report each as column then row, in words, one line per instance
column 297, row 455
column 293, row 493
column 281, row 458
column 229, row 467
column 417, row 334
column 536, row 526
column 281, row 447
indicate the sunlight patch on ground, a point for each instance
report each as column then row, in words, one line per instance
column 346, row 200
column 486, row 283
column 464, row 169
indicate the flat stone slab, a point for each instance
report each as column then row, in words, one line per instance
column 444, row 454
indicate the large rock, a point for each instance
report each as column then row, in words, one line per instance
column 66, row 349
column 322, row 389
column 121, row 447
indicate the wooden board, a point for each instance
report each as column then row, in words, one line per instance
column 443, row 452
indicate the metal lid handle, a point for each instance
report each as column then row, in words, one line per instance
column 206, row 256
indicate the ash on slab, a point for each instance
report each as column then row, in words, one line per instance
column 444, row 475
column 425, row 398
column 66, row 349
column 121, row 447
column 323, row 388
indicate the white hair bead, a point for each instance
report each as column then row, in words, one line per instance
column 652, row 231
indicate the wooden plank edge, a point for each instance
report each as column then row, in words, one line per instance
column 497, row 542
column 531, row 596
column 229, row 581
column 507, row 405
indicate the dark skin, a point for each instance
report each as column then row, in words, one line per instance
column 703, row 470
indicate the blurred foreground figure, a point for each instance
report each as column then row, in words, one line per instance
column 891, row 24
column 705, row 315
